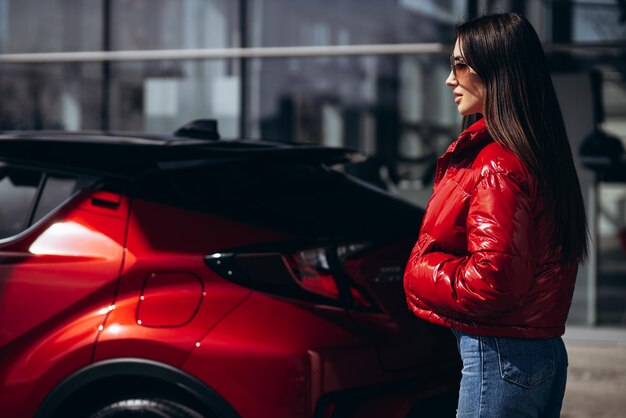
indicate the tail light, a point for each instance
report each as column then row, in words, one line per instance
column 312, row 274
column 311, row 271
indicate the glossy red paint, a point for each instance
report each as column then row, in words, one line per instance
column 302, row 352
column 157, row 307
column 281, row 341
column 156, row 249
column 111, row 277
column 58, row 280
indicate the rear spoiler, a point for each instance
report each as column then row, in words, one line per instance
column 128, row 160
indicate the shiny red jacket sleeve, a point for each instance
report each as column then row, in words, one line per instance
column 495, row 274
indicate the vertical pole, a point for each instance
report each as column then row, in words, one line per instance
column 519, row 6
column 472, row 9
column 592, row 266
column 243, row 69
column 106, row 66
column 562, row 21
column 594, row 212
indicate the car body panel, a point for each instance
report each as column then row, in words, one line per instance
column 158, row 246
column 271, row 358
column 55, row 295
column 261, row 358
column 158, row 308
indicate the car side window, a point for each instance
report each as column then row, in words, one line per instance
column 56, row 189
column 29, row 195
column 18, row 192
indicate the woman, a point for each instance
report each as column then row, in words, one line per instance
column 505, row 228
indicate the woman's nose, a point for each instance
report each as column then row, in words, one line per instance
column 451, row 80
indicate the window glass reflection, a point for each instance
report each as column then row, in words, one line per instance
column 162, row 96
column 50, row 96
column 18, row 189
column 28, row 26
column 55, row 191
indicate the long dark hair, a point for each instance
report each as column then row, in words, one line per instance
column 522, row 113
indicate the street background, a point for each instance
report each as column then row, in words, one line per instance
column 596, row 385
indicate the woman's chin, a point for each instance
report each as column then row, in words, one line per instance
column 465, row 111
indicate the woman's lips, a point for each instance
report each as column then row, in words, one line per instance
column 457, row 99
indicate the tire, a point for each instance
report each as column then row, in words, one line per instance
column 145, row 408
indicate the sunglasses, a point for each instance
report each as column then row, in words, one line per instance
column 457, row 66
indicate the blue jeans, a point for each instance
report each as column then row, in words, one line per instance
column 511, row 377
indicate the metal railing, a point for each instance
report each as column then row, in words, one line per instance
column 275, row 52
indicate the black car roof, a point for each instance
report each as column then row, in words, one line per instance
column 130, row 154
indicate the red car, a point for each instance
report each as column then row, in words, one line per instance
column 188, row 276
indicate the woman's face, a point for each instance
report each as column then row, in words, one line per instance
column 469, row 89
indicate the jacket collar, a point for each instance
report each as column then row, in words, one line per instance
column 479, row 125
column 475, row 134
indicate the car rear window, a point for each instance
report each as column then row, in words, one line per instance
column 56, row 189
column 18, row 191
column 28, row 195
column 300, row 198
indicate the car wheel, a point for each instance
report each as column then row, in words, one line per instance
column 145, row 408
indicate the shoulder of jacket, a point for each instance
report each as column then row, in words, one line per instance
column 494, row 161
column 494, row 158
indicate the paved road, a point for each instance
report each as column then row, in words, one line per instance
column 596, row 385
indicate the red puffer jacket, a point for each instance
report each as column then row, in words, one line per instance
column 483, row 263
